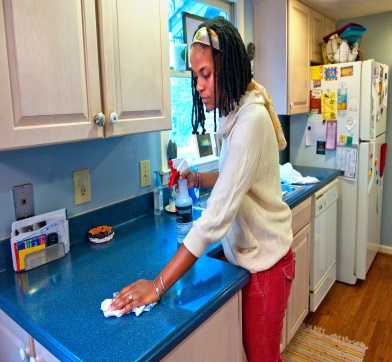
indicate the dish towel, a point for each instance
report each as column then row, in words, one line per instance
column 105, row 308
column 290, row 175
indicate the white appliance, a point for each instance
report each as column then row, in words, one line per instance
column 358, row 93
column 323, row 247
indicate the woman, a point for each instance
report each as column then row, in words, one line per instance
column 245, row 209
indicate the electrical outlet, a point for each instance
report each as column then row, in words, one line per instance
column 82, row 186
column 23, row 201
column 145, row 173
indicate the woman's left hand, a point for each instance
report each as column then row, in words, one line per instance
column 134, row 295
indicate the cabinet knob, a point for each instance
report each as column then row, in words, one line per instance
column 113, row 117
column 99, row 119
column 22, row 354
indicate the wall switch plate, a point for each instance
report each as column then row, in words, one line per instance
column 23, row 201
column 145, row 173
column 82, row 186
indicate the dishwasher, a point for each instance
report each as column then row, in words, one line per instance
column 323, row 246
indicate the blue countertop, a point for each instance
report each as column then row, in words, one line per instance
column 59, row 303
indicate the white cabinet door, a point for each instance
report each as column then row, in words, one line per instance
column 49, row 72
column 298, row 57
column 135, row 65
column 218, row 339
column 298, row 305
column 12, row 339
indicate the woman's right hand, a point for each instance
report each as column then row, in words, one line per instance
column 191, row 178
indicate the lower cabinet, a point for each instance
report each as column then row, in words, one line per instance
column 298, row 304
column 218, row 339
column 14, row 341
column 17, row 345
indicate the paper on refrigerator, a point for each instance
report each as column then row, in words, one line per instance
column 315, row 130
column 346, row 160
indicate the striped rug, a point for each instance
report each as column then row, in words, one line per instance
column 312, row 344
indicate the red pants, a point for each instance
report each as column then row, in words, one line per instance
column 264, row 303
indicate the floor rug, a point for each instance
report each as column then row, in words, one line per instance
column 312, row 344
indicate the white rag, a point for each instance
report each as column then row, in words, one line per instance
column 107, row 312
column 290, row 175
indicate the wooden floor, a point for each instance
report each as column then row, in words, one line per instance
column 362, row 312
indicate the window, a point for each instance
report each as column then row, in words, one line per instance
column 180, row 80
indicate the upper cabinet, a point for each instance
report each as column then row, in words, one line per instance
column 286, row 33
column 76, row 70
column 298, row 54
column 49, row 73
column 135, row 67
column 320, row 26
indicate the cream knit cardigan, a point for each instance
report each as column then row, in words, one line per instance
column 245, row 209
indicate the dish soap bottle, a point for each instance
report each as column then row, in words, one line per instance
column 158, row 194
column 184, row 219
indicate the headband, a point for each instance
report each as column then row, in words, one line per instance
column 201, row 37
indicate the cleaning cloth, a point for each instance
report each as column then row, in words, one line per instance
column 291, row 176
column 105, row 307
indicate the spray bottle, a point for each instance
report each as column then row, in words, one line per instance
column 184, row 219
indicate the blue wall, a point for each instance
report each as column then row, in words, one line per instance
column 377, row 44
column 113, row 164
column 114, row 173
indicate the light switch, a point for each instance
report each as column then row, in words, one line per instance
column 145, row 173
column 23, row 201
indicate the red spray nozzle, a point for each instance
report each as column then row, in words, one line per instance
column 174, row 175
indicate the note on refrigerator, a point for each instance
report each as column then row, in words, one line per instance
column 331, row 136
column 329, row 105
column 315, row 130
column 346, row 159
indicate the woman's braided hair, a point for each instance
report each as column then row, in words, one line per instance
column 232, row 72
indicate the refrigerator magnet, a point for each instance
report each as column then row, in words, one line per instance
column 330, row 143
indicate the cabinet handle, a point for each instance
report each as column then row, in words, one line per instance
column 99, row 119
column 113, row 117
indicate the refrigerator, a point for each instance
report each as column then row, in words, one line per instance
column 345, row 129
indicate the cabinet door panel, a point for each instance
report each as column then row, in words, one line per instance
column 135, row 67
column 49, row 72
column 298, row 305
column 317, row 33
column 329, row 26
column 299, row 42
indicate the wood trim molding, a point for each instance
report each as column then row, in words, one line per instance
column 385, row 249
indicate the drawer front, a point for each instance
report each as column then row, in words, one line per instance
column 301, row 215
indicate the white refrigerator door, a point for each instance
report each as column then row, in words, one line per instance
column 374, row 91
column 369, row 208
